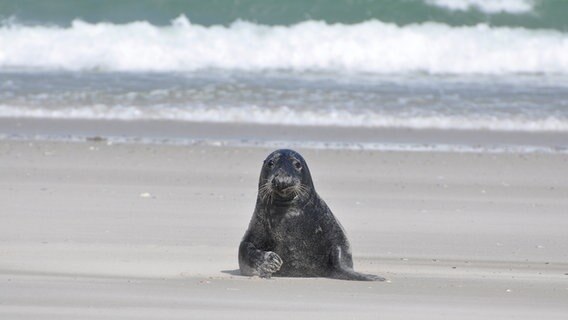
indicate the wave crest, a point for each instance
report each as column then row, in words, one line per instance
column 490, row 7
column 368, row 47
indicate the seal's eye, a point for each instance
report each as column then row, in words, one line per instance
column 298, row 165
column 270, row 163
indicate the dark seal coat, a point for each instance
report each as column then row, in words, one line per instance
column 292, row 232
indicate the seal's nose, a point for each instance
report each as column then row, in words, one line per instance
column 282, row 181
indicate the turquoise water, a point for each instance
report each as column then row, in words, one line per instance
column 532, row 14
column 336, row 36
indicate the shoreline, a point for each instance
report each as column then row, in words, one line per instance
column 278, row 136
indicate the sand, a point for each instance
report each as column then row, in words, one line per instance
column 138, row 231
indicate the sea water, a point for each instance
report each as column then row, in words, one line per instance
column 417, row 64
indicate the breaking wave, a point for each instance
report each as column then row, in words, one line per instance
column 367, row 47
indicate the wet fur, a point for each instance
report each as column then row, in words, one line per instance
column 292, row 232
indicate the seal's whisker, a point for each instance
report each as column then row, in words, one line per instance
column 303, row 190
column 300, row 190
column 268, row 196
column 265, row 191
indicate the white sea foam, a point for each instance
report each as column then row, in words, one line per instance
column 286, row 116
column 487, row 6
column 369, row 47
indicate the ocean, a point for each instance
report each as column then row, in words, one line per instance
column 476, row 66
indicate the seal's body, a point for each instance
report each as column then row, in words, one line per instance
column 292, row 232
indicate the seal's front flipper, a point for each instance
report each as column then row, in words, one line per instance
column 271, row 263
column 255, row 262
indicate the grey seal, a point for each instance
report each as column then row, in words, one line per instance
column 293, row 233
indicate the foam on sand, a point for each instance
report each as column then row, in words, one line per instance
column 287, row 116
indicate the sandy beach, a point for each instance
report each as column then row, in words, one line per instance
column 94, row 230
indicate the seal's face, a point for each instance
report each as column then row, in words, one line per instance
column 284, row 178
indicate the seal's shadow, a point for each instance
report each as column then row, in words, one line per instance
column 235, row 272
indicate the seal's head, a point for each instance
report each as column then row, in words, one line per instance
column 285, row 178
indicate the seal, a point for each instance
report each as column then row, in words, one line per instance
column 293, row 233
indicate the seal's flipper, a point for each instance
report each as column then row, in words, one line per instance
column 350, row 274
column 343, row 268
column 255, row 262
